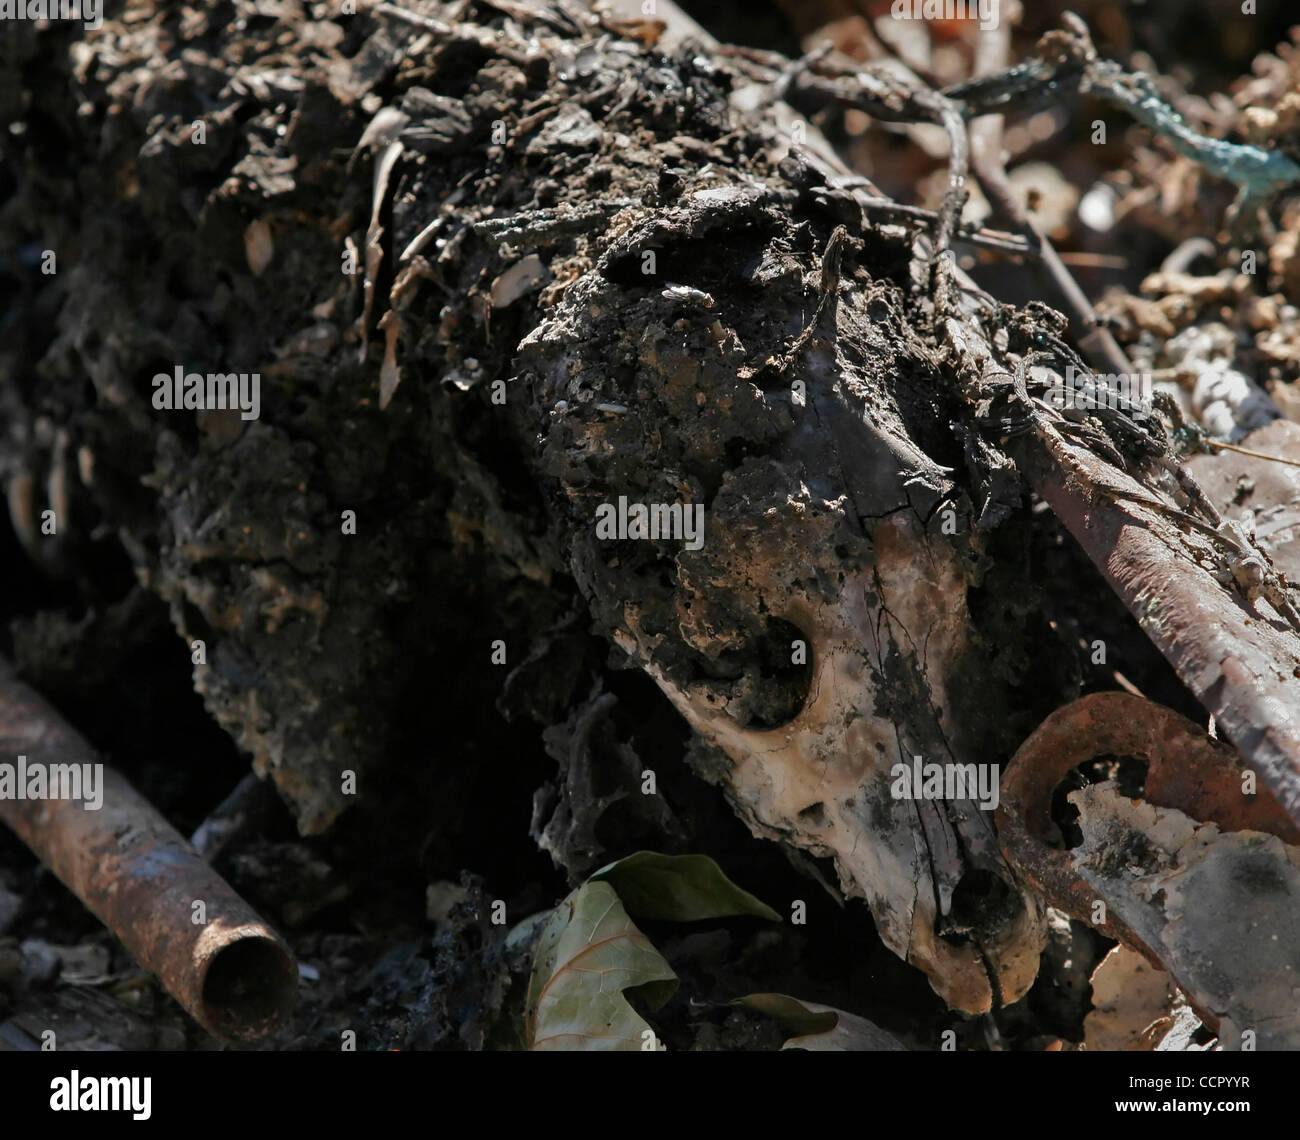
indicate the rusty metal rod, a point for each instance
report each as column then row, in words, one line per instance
column 233, row 974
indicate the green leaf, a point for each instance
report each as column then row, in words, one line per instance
column 822, row 1028
column 588, row 957
column 682, row 888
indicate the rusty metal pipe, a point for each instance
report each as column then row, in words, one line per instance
column 233, row 974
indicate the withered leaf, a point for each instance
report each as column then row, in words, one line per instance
column 589, row 957
column 822, row 1028
column 680, row 888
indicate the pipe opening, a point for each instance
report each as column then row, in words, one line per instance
column 250, row 988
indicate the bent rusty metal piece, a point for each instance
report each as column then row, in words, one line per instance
column 233, row 974
column 1187, row 770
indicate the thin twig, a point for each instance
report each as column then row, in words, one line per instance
column 781, row 88
column 1252, row 454
column 415, row 19
column 980, row 236
column 830, row 283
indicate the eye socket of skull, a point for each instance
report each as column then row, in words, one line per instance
column 767, row 679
